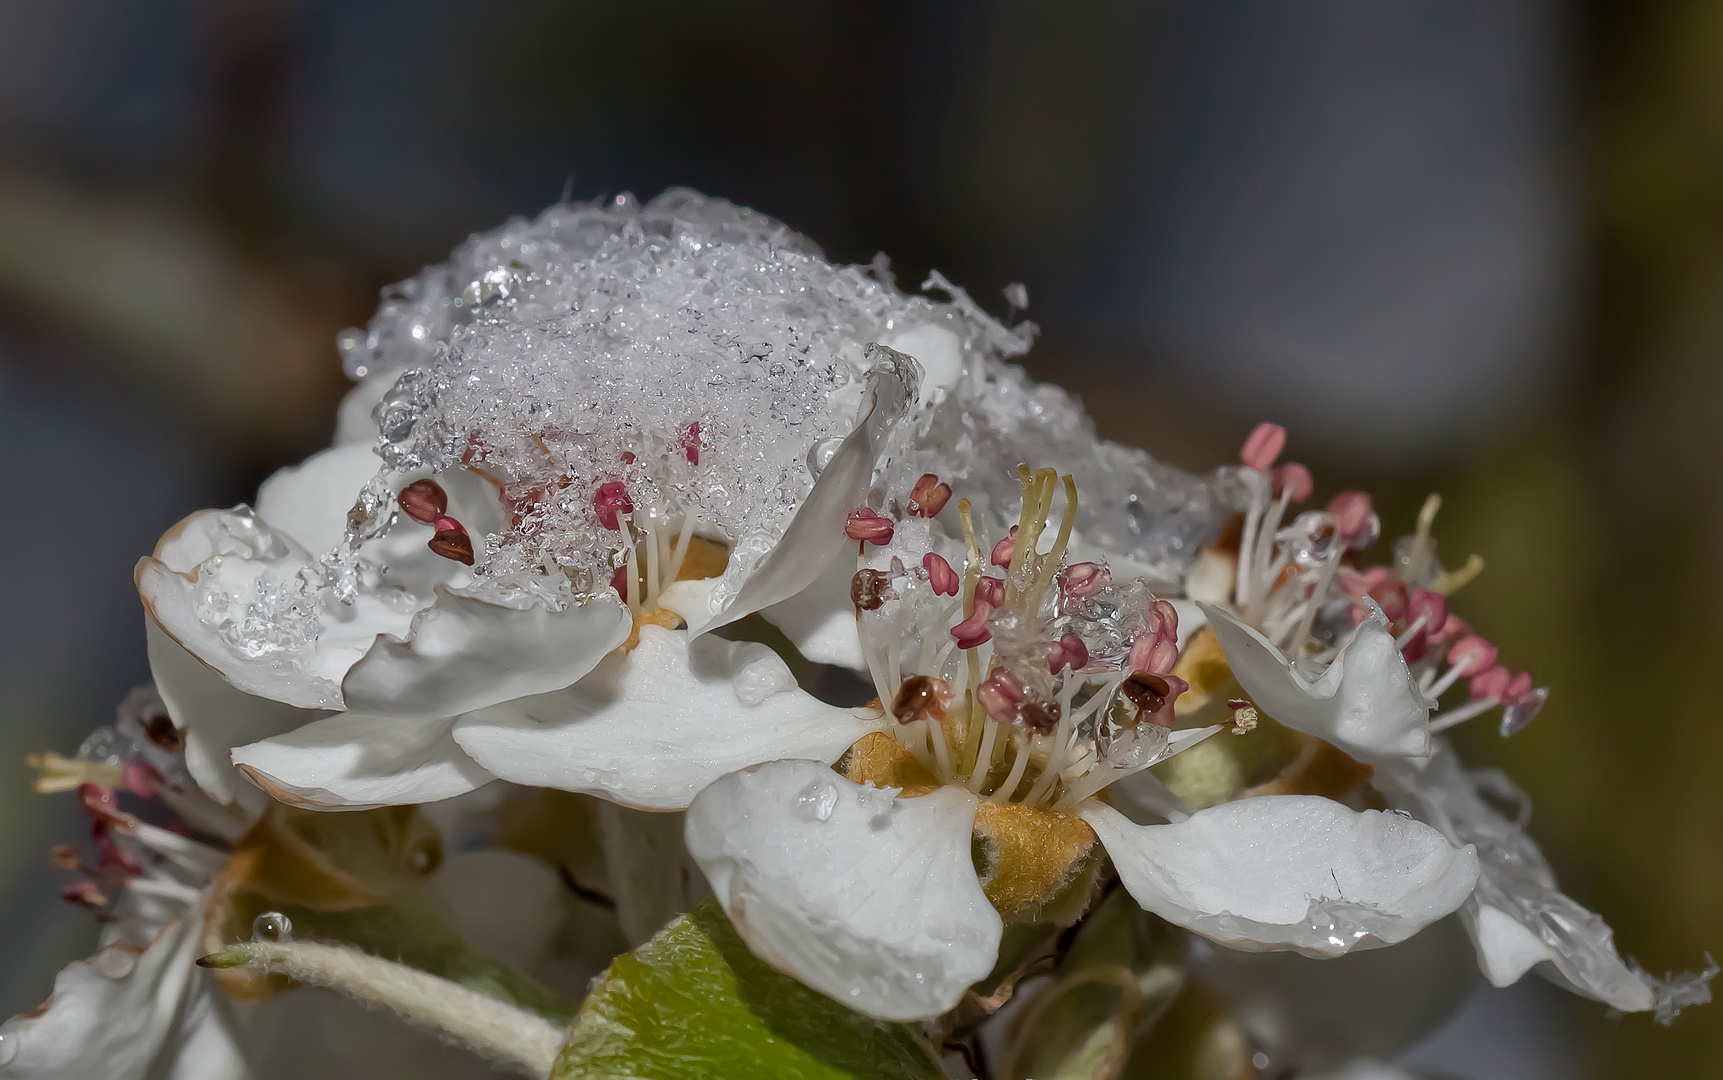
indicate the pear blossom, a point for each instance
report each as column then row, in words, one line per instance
column 998, row 727
column 1355, row 657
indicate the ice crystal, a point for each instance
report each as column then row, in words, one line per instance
column 708, row 358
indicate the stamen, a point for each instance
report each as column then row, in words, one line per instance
column 928, row 497
column 451, row 541
column 1263, row 446
column 611, row 500
column 424, row 501
column 1294, row 480
column 974, row 631
column 1084, row 579
column 1004, row 549
column 921, row 697
column 690, row 443
column 940, row 576
column 868, row 589
column 866, row 526
column 1020, row 744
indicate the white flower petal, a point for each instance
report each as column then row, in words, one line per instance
column 652, row 728
column 230, row 551
column 816, row 534
column 462, row 653
column 113, row 1015
column 878, row 908
column 215, row 717
column 355, row 761
column 1365, row 702
column 1294, row 872
column 1516, row 889
column 309, row 501
column 820, row 621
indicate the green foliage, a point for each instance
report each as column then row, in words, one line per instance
column 694, row 1001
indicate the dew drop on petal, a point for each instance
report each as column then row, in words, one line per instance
column 272, row 926
column 8, row 1047
column 820, row 455
column 817, row 801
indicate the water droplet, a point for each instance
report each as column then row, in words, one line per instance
column 8, row 1047
column 272, row 926
column 114, row 962
column 820, row 455
column 817, row 801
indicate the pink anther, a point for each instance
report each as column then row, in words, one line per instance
column 1157, row 650
column 1004, row 549
column 940, row 575
column 990, row 590
column 1085, row 579
column 866, row 526
column 928, row 497
column 1472, row 654
column 690, row 443
column 451, row 540
column 1000, row 695
column 1491, row 683
column 1354, row 518
column 1293, row 480
column 975, row 631
column 1068, row 652
column 1264, row 445
column 610, row 500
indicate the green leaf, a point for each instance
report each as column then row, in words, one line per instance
column 694, row 1001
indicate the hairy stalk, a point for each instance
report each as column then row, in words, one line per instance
column 484, row 1025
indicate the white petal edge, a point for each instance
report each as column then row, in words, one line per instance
column 462, row 653
column 816, row 533
column 820, row 621
column 1365, row 701
column 876, row 907
column 309, row 501
column 1295, row 872
column 215, row 717
column 112, row 1015
column 651, row 728
column 358, row 762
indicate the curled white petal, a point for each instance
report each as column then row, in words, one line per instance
column 356, row 762
column 1365, row 702
column 878, row 907
column 1519, row 918
column 1294, row 872
column 653, row 727
column 462, row 653
column 309, row 501
column 820, row 621
column 816, row 534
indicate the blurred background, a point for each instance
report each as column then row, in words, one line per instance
column 1468, row 246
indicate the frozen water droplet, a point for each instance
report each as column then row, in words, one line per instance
column 820, row 455
column 876, row 802
column 114, row 962
column 817, row 801
column 104, row 745
column 8, row 1047
column 272, row 926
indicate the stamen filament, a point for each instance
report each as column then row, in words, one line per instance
column 983, row 757
column 1459, row 715
column 1021, row 745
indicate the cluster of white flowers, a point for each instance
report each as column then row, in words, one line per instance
column 598, row 458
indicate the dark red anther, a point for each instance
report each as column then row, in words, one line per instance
column 868, row 589
column 451, row 540
column 159, row 729
column 1263, row 446
column 940, row 575
column 98, row 803
column 110, row 855
column 612, row 499
column 990, row 590
column 974, row 631
column 1004, row 549
column 690, row 443
column 866, row 526
column 619, row 582
column 424, row 501
column 921, row 697
column 1040, row 716
column 1152, row 696
column 628, row 457
column 928, row 497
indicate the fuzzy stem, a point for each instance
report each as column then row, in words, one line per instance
column 484, row 1025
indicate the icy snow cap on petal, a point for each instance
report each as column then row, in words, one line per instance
column 869, row 899
column 651, row 727
column 1295, row 872
column 1518, row 917
column 1365, row 702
